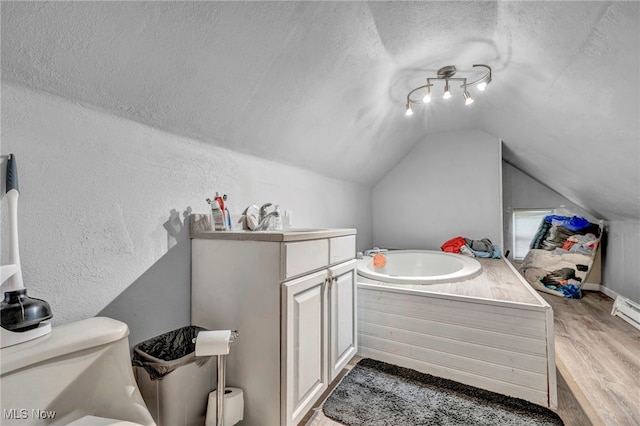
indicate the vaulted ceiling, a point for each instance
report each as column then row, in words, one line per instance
column 322, row 85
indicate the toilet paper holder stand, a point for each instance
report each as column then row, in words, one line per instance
column 222, row 371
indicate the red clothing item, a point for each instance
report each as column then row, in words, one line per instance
column 453, row 245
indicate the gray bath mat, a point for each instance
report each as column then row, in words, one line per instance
column 375, row 393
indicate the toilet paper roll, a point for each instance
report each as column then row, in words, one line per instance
column 213, row 342
column 233, row 411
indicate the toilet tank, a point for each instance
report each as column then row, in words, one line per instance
column 82, row 368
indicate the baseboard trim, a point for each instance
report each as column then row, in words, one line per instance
column 601, row 288
column 604, row 289
column 590, row 287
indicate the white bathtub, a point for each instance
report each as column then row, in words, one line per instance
column 420, row 267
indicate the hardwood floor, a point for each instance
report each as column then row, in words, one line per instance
column 598, row 355
column 598, row 360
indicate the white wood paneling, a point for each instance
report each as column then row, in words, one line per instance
column 452, row 347
column 521, row 322
column 458, row 332
column 495, row 345
column 551, row 358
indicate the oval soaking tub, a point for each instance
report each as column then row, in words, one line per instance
column 420, row 267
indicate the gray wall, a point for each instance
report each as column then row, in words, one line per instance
column 621, row 269
column 448, row 185
column 103, row 200
column 620, row 248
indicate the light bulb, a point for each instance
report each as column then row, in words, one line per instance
column 447, row 93
column 482, row 86
column 467, row 97
column 409, row 110
column 427, row 96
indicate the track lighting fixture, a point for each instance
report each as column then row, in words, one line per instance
column 447, row 74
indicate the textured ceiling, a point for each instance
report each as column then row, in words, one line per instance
column 322, row 85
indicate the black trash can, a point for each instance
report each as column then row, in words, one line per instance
column 174, row 383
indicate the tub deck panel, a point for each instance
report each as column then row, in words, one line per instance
column 502, row 377
column 476, row 353
column 465, row 330
column 492, row 332
column 497, row 281
column 438, row 309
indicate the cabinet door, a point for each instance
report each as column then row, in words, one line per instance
column 304, row 360
column 343, row 333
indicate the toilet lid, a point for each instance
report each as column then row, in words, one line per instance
column 101, row 421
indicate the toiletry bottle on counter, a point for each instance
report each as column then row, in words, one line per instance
column 221, row 202
column 217, row 217
column 286, row 220
column 277, row 220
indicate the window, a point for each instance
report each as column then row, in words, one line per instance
column 525, row 225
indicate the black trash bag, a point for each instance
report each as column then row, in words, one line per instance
column 162, row 354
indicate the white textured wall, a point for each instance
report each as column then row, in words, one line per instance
column 448, row 185
column 96, row 190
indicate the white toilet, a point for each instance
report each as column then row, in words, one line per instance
column 79, row 374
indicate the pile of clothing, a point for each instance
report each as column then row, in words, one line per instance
column 563, row 234
column 562, row 281
column 473, row 248
column 561, row 253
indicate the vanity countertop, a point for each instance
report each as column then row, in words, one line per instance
column 200, row 228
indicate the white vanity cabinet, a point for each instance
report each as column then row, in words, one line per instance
column 319, row 334
column 292, row 298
